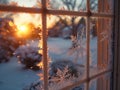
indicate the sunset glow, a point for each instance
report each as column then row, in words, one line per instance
column 22, row 31
column 23, row 28
column 40, row 65
column 11, row 23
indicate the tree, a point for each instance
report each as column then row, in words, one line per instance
column 77, row 24
column 29, row 56
column 73, row 5
column 3, row 1
column 8, row 42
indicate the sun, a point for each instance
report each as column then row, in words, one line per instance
column 23, row 31
column 23, row 28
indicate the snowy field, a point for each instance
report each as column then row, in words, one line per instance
column 13, row 77
column 60, row 49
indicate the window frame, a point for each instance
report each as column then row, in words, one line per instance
column 44, row 11
column 116, row 47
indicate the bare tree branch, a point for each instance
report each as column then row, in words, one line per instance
column 80, row 5
column 72, row 5
column 3, row 1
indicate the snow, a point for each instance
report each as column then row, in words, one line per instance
column 13, row 77
column 59, row 48
column 93, row 51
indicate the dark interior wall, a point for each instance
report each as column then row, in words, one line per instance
column 116, row 44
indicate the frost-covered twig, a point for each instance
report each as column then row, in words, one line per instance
column 78, row 44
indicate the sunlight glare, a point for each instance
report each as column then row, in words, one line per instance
column 22, row 31
column 22, row 28
column 11, row 23
column 40, row 64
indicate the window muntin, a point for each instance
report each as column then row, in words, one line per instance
column 88, row 15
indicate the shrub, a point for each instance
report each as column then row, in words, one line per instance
column 62, row 73
column 29, row 56
column 62, row 65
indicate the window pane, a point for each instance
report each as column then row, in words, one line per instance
column 67, row 47
column 23, row 3
column 93, row 44
column 94, row 5
column 70, row 5
column 105, row 6
column 100, row 45
column 101, row 83
column 101, row 6
column 19, row 56
column 80, row 87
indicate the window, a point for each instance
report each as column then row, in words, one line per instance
column 75, row 48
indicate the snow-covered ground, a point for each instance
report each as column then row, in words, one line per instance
column 13, row 77
column 59, row 49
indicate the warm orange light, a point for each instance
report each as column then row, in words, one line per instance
column 23, row 28
column 40, row 46
column 22, row 31
column 11, row 23
column 40, row 64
